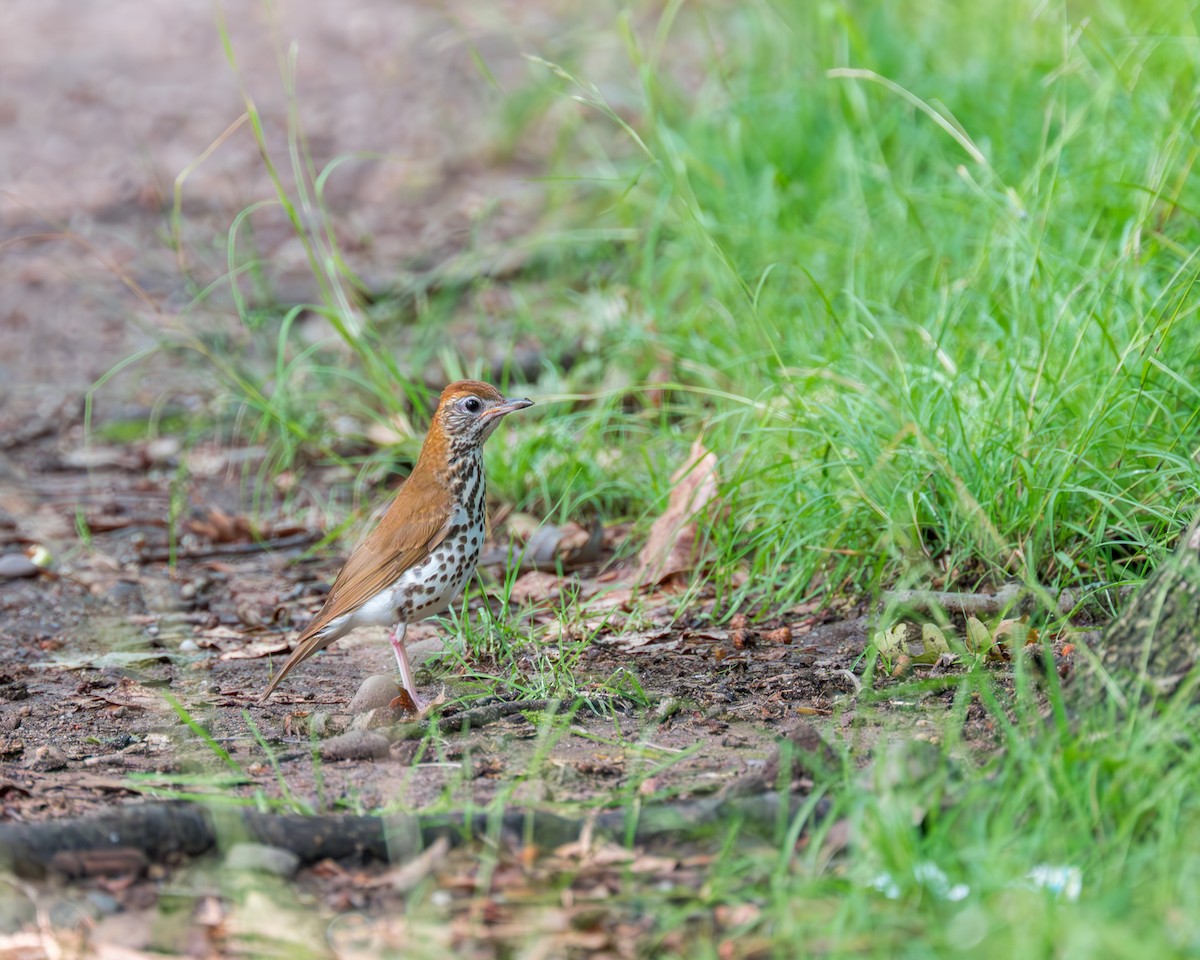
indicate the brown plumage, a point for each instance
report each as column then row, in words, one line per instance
column 418, row 559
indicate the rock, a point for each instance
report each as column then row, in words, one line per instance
column 104, row 904
column 262, row 858
column 324, row 725
column 356, row 745
column 11, row 689
column 188, row 645
column 378, row 719
column 47, row 758
column 163, row 449
column 16, row 565
column 374, row 692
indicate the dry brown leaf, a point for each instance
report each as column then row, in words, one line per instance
column 648, row 863
column 673, row 546
column 256, row 650
column 534, row 587
column 1012, row 634
column 617, row 598
column 537, row 545
column 219, row 527
column 403, row 702
column 218, row 637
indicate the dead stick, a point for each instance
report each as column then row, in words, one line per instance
column 975, row 604
column 468, row 719
column 229, row 549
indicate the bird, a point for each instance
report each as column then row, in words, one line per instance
column 417, row 560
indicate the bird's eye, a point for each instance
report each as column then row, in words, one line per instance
column 472, row 404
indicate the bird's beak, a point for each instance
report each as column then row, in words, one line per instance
column 509, row 405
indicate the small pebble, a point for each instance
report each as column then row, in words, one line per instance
column 105, row 904
column 47, row 758
column 189, row 646
column 107, row 759
column 262, row 858
column 162, row 449
column 667, row 708
column 15, row 565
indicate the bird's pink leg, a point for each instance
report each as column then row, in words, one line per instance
column 397, row 639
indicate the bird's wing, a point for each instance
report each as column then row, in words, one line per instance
column 409, row 531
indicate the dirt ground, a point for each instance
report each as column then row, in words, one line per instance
column 102, row 107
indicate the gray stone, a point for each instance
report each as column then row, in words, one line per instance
column 262, row 858
column 104, row 904
column 378, row 719
column 374, row 692
column 16, row 565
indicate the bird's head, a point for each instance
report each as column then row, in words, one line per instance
column 469, row 410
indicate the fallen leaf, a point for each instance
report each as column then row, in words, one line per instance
column 534, row 587
column 891, row 642
column 403, row 701
column 217, row 526
column 546, row 546
column 934, row 640
column 648, row 863
column 1011, row 634
column 256, row 650
column 674, row 545
column 979, row 638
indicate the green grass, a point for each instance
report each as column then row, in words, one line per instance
column 921, row 274
column 958, row 365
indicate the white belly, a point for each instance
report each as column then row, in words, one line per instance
column 427, row 588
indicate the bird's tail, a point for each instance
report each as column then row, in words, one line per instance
column 307, row 644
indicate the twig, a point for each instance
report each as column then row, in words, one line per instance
column 974, row 604
column 229, row 549
column 467, row 719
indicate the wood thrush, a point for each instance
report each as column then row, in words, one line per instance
column 416, row 562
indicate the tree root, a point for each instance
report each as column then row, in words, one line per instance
column 168, row 832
